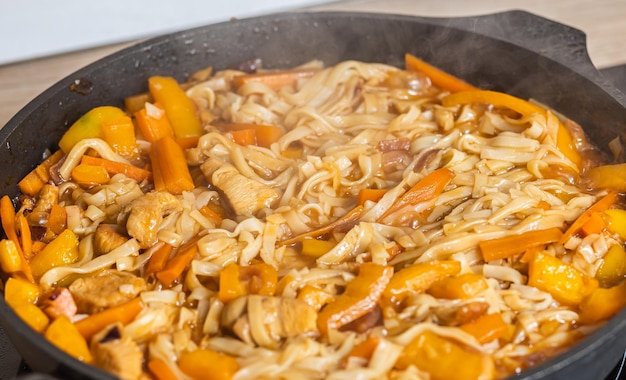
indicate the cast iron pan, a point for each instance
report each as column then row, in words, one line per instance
column 516, row 52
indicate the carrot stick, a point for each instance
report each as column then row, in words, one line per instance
column 603, row 204
column 175, row 267
column 158, row 259
column 594, row 225
column 160, row 370
column 7, row 215
column 114, row 167
column 512, row 245
column 153, row 127
column 157, row 176
column 243, row 137
column 347, row 220
column 25, row 236
column 275, row 79
column 363, row 350
column 437, row 76
column 124, row 313
column 57, row 221
column 422, row 194
column 265, row 135
column 209, row 213
column 170, row 159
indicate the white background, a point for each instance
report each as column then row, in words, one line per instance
column 36, row 28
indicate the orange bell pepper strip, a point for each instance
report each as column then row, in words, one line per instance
column 123, row 313
column 120, row 135
column 360, row 297
column 274, row 79
column 564, row 140
column 10, row 258
column 179, row 108
column 421, row 196
column 602, row 304
column 603, row 204
column 316, row 248
column 171, row 162
column 566, row 284
column 18, row 291
column 438, row 77
column 418, row 278
column 314, row 297
column 464, row 286
column 509, row 246
column 89, row 126
column 114, row 167
column 177, row 264
column 238, row 281
column 7, row 217
column 445, row 359
column 65, row 335
column 342, row 223
column 373, row 195
column 160, row 370
column 34, row 181
column 486, row 328
column 208, row 365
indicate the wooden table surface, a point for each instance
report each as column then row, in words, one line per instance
column 603, row 21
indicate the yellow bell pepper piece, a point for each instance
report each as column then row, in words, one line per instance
column 445, row 359
column 179, row 109
column 89, row 126
column 616, row 222
column 418, row 278
column 359, row 298
column 33, row 316
column 564, row 140
column 316, row 248
column 613, row 268
column 603, row 304
column 10, row 259
column 611, row 177
column 463, row 286
column 566, row 284
column 63, row 250
column 204, row 364
column 63, row 334
column 18, row 291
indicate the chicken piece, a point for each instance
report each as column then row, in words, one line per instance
column 147, row 213
column 117, row 354
column 267, row 320
column 59, row 302
column 109, row 288
column 246, row 196
column 106, row 239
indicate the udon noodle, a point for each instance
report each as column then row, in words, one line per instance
column 357, row 221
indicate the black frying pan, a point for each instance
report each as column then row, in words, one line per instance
column 515, row 52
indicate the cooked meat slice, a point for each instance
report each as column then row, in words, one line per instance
column 147, row 213
column 59, row 302
column 245, row 195
column 109, row 288
column 117, row 354
column 107, row 238
column 209, row 167
column 267, row 320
